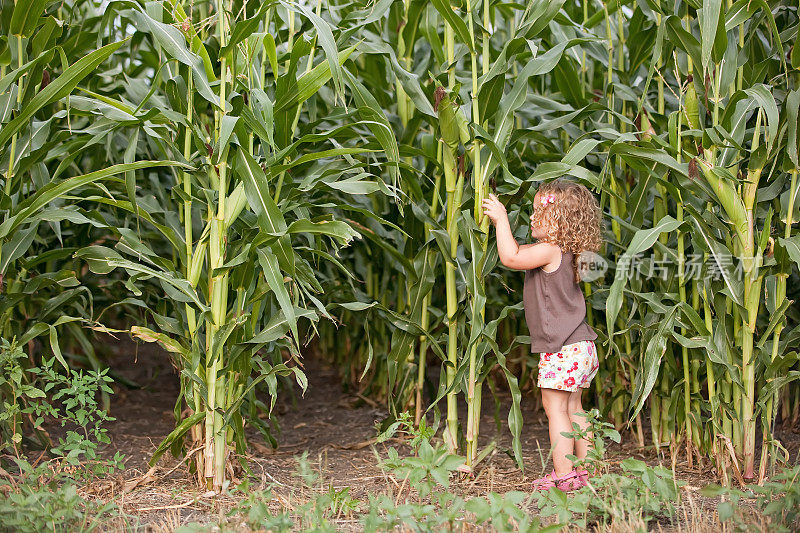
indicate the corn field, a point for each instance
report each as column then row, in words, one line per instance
column 243, row 182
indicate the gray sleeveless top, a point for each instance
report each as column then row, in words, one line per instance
column 555, row 308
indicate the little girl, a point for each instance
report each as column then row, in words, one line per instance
column 565, row 223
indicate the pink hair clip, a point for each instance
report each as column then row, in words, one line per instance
column 548, row 199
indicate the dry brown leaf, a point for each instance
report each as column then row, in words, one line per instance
column 148, row 477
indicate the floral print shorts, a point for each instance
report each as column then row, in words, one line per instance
column 571, row 368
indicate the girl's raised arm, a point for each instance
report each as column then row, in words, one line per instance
column 512, row 255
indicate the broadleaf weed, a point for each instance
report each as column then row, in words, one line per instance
column 778, row 500
column 640, row 494
column 44, row 496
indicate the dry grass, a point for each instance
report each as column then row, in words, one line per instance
column 164, row 504
column 339, row 433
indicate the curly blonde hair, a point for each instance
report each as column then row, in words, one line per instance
column 570, row 216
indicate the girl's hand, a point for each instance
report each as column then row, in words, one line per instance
column 494, row 209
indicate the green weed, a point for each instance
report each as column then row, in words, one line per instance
column 640, row 494
column 43, row 496
column 778, row 500
column 44, row 501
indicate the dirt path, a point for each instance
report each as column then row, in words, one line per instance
column 337, row 431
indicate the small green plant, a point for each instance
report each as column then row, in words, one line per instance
column 259, row 517
column 44, row 496
column 16, row 392
column 45, row 501
column 323, row 502
column 599, row 433
column 326, row 502
column 386, row 515
column 70, row 399
column 405, row 424
column 74, row 404
column 503, row 513
column 778, row 500
column 305, row 472
column 342, row 504
column 640, row 494
column 431, row 466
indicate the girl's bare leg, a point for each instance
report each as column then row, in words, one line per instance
column 578, row 416
column 556, row 405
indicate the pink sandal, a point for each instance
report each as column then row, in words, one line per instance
column 572, row 481
column 546, row 482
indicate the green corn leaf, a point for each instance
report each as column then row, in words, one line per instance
column 174, row 44
column 709, row 21
column 651, row 365
column 326, row 40
column 272, row 273
column 775, row 318
column 18, row 245
column 58, row 88
column 682, row 39
column 792, row 247
column 341, row 231
column 103, row 260
column 309, row 83
column 792, row 105
column 197, row 46
column 795, row 57
column 410, row 81
column 642, row 241
column 513, row 100
column 454, row 21
column 655, row 155
column 718, row 252
column 270, row 218
column 260, row 119
column 177, row 433
column 274, row 330
column 55, row 190
column 539, row 13
column 370, row 111
column 746, row 9
column 737, row 13
column 244, row 29
column 48, row 32
column 762, row 94
column 26, row 16
column 272, row 54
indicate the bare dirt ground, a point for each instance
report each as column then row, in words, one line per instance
column 337, row 431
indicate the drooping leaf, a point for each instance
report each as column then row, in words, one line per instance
column 58, row 88
column 642, row 241
column 272, row 273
